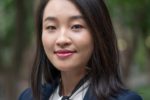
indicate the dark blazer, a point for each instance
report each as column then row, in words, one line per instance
column 47, row 90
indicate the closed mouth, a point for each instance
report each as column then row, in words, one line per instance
column 64, row 53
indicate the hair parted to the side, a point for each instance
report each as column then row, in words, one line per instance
column 105, row 80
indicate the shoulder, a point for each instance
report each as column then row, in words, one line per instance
column 128, row 95
column 26, row 95
column 46, row 91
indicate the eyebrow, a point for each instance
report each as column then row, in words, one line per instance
column 50, row 18
column 76, row 17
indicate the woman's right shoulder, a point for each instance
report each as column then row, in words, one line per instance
column 26, row 94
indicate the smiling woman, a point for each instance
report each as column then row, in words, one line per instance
column 77, row 54
column 67, row 40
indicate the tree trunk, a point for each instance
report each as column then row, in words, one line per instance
column 19, row 45
column 10, row 84
column 129, row 53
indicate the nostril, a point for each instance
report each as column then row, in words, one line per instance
column 63, row 44
column 63, row 41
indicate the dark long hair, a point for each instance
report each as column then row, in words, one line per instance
column 104, row 75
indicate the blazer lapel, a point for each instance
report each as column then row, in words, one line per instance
column 47, row 90
column 89, row 95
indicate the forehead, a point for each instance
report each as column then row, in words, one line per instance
column 60, row 8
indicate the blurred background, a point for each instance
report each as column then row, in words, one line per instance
column 131, row 19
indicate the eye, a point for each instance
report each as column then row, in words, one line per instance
column 77, row 27
column 50, row 28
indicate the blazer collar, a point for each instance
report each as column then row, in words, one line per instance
column 48, row 89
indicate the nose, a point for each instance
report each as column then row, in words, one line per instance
column 63, row 39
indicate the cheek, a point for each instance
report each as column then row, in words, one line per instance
column 88, row 44
column 85, row 43
column 46, row 41
column 87, row 48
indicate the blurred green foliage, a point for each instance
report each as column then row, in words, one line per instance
column 8, row 29
column 144, row 92
column 132, row 12
column 140, row 56
column 134, row 15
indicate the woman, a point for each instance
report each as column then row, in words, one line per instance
column 77, row 54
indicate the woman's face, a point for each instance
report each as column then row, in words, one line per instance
column 66, row 38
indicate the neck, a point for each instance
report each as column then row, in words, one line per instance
column 70, row 80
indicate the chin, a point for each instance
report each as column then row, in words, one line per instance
column 65, row 68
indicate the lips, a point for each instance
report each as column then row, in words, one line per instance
column 64, row 53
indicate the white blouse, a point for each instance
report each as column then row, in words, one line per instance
column 78, row 95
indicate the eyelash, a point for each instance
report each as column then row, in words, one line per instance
column 50, row 28
column 77, row 27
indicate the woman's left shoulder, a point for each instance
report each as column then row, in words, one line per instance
column 128, row 95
